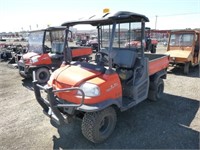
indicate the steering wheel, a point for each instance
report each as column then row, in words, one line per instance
column 101, row 59
column 47, row 49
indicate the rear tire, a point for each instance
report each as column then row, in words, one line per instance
column 42, row 75
column 98, row 126
column 153, row 49
column 156, row 90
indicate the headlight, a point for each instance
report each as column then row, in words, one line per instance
column 34, row 59
column 90, row 90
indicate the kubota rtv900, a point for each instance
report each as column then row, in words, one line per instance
column 117, row 79
column 45, row 53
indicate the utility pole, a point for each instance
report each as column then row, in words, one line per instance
column 156, row 22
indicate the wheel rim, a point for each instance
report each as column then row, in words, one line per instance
column 43, row 75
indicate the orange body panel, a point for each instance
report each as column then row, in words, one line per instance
column 81, row 51
column 74, row 76
column 180, row 56
column 44, row 59
column 158, row 64
column 29, row 55
column 188, row 48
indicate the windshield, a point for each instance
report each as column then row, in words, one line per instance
column 181, row 39
column 57, row 38
column 125, row 33
column 35, row 41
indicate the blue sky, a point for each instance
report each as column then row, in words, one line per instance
column 16, row 15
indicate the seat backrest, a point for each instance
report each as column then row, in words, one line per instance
column 124, row 57
column 57, row 47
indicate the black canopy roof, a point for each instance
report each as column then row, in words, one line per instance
column 119, row 17
column 55, row 28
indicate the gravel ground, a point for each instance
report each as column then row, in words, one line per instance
column 171, row 123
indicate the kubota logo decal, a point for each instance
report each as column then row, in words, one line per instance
column 112, row 86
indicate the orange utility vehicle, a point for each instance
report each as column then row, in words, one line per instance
column 183, row 48
column 116, row 80
column 45, row 53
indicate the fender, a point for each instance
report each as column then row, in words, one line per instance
column 161, row 74
column 101, row 106
column 40, row 66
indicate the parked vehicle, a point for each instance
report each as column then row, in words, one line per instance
column 9, row 52
column 116, row 80
column 45, row 53
column 183, row 48
column 81, row 42
column 135, row 38
column 93, row 42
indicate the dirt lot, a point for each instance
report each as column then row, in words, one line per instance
column 172, row 123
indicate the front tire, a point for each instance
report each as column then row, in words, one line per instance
column 42, row 75
column 98, row 126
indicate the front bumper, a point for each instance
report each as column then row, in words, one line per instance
column 24, row 74
column 59, row 112
column 23, row 71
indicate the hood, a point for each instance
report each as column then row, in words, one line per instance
column 179, row 53
column 73, row 75
column 29, row 55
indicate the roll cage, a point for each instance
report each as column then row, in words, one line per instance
column 112, row 20
column 37, row 39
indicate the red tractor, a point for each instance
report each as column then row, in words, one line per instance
column 134, row 41
column 45, row 53
column 117, row 79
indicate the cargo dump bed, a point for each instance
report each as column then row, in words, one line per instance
column 157, row 62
